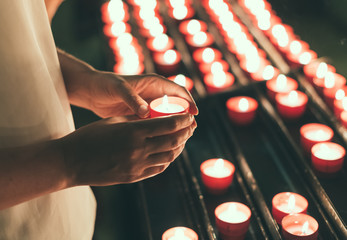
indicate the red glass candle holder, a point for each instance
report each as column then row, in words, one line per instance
column 206, row 68
column 278, row 85
column 192, row 26
column 155, row 112
column 313, row 133
column 242, row 110
column 236, row 227
column 290, row 107
column 302, row 59
column 165, row 63
column 217, row 178
column 199, row 40
column 156, row 45
column 286, row 203
column 320, row 83
column 205, row 55
column 310, row 70
column 183, row 81
column 179, row 233
column 213, row 85
column 327, row 157
column 293, row 227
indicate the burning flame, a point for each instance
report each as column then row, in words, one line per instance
column 322, row 70
column 156, row 30
column 243, row 105
column 219, row 78
column 344, row 103
column 293, row 97
column 305, row 58
column 253, row 64
column 304, row 229
column 170, row 56
column 179, row 234
column 291, row 203
column 177, row 3
column 180, row 12
column 193, row 27
column 340, row 94
column 216, row 67
column 180, row 79
column 281, row 82
column 124, row 39
column 160, row 41
column 118, row 28
column 268, row 72
column 329, row 80
column 208, row 55
column 295, row 47
column 165, row 101
column 200, row 38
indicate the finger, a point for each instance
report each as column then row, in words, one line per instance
column 153, row 171
column 165, row 157
column 170, row 141
column 165, row 125
column 133, row 100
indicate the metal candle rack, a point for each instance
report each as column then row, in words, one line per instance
column 267, row 154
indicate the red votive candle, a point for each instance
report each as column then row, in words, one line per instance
column 232, row 220
column 302, row 59
column 242, row 110
column 192, row 26
column 167, row 62
column 313, row 133
column 331, row 80
column 286, row 203
column 160, row 43
column 330, row 95
column 280, row 84
column 199, row 40
column 291, row 105
column 206, row 55
column 317, row 69
column 168, row 106
column 265, row 73
column 179, row 233
column 295, row 48
column 299, row 227
column 183, row 81
column 327, row 157
column 214, row 66
column 217, row 175
column 218, row 81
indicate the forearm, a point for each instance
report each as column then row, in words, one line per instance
column 31, row 171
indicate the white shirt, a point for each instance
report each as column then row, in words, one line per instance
column 34, row 107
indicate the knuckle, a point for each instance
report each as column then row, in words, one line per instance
column 173, row 124
column 174, row 143
column 171, row 156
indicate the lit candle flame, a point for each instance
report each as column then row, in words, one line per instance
column 340, row 94
column 278, row 30
column 329, row 80
column 118, row 28
column 180, row 13
column 253, row 64
column 295, row 47
column 160, row 41
column 269, row 72
column 291, row 203
column 281, row 82
column 304, row 229
column 322, row 70
column 170, row 56
column 231, row 209
column 200, row 38
column 293, row 97
column 219, row 78
column 165, row 102
column 344, row 103
column 124, row 39
column 177, row 3
column 180, row 79
column 193, row 27
column 216, row 67
column 179, row 235
column 156, row 30
column 208, row 55
column 218, row 165
column 243, row 105
column 305, row 58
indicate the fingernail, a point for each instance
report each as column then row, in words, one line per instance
column 143, row 110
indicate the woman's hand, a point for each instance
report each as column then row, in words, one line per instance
column 109, row 95
column 105, row 153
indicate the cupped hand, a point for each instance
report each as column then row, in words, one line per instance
column 114, row 151
column 108, row 94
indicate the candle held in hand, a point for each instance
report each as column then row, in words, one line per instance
column 167, row 106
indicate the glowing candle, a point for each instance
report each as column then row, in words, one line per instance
column 207, row 53
column 331, row 80
column 340, row 102
column 291, row 105
column 232, row 220
column 160, row 43
column 299, row 227
column 327, row 157
column 180, row 13
column 242, row 109
column 317, row 70
column 217, row 81
column 287, row 203
column 313, row 133
column 192, row 26
column 179, row 233
column 217, row 175
column 280, row 84
column 199, row 40
column 167, row 106
column 182, row 80
column 167, row 62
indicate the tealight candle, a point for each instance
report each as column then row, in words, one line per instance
column 327, row 157
column 218, row 81
column 160, row 43
column 179, row 233
column 242, row 109
column 266, row 73
column 217, row 175
column 167, row 106
column 167, row 62
column 287, row 203
column 192, row 26
column 206, row 55
column 295, row 48
column 280, row 84
column 199, row 40
column 302, row 59
column 317, row 69
column 313, row 133
column 299, row 227
column 208, row 67
column 291, row 105
column 331, row 80
column 232, row 220
column 183, row 81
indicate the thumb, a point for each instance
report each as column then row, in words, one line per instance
column 136, row 103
